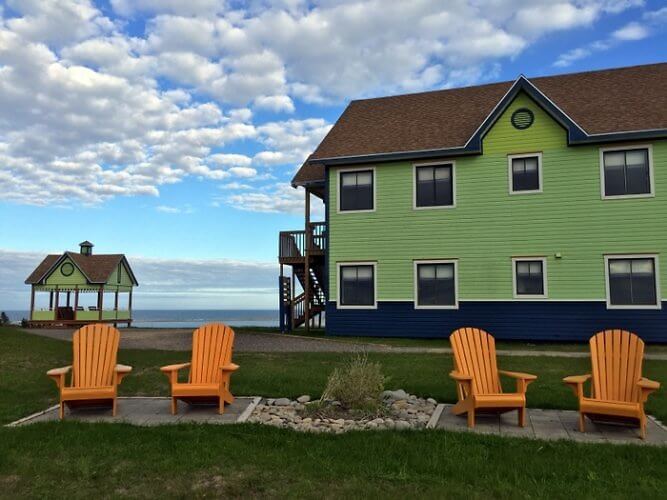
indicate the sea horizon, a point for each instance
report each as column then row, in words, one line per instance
column 188, row 318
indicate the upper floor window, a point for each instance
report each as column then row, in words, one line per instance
column 357, row 192
column 356, row 285
column 434, row 185
column 436, row 284
column 530, row 278
column 632, row 281
column 525, row 172
column 626, row 172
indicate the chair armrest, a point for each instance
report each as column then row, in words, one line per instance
column 522, row 379
column 231, row 367
column 58, row 375
column 518, row 375
column 174, row 368
column 121, row 372
column 55, row 372
column 460, row 377
column 577, row 383
column 577, row 379
column 651, row 385
column 647, row 387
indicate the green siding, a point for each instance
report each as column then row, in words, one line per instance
column 58, row 278
column 489, row 226
column 125, row 279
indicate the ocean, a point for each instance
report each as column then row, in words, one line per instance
column 189, row 318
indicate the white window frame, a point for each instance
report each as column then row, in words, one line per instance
column 650, row 194
column 530, row 258
column 338, row 185
column 414, row 183
column 656, row 269
column 416, row 283
column 510, row 174
column 339, row 305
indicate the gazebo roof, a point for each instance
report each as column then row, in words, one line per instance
column 96, row 268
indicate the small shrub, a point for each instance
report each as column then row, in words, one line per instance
column 357, row 386
column 4, row 319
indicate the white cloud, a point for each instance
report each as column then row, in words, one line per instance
column 245, row 172
column 631, row 31
column 275, row 103
column 280, row 199
column 167, row 209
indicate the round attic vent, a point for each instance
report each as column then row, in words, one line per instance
column 522, row 118
column 67, row 269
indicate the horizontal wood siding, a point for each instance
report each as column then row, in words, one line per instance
column 505, row 320
column 489, row 226
column 57, row 278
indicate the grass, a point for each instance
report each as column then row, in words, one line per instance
column 79, row 460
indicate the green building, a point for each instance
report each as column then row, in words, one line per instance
column 70, row 278
column 536, row 209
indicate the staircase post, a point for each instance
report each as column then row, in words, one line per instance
column 306, row 291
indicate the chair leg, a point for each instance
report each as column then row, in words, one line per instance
column 221, row 405
column 642, row 427
column 522, row 416
column 114, row 407
column 61, row 411
column 471, row 418
column 582, row 422
column 174, row 406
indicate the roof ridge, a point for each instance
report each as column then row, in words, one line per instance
column 504, row 82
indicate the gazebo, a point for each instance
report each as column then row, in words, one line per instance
column 70, row 279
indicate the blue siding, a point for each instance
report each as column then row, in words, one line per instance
column 553, row 321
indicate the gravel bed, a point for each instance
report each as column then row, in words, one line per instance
column 403, row 411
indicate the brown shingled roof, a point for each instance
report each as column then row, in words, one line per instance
column 608, row 101
column 97, row 268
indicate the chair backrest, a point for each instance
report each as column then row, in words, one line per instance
column 211, row 348
column 616, row 359
column 95, row 348
column 475, row 355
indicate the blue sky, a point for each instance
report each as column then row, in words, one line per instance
column 169, row 130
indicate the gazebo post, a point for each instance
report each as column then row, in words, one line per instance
column 76, row 300
column 51, row 300
column 55, row 308
column 68, row 297
column 100, row 301
column 32, row 300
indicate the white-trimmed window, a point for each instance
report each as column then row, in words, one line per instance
column 357, row 285
column 436, row 284
column 525, row 173
column 632, row 281
column 434, row 185
column 356, row 190
column 626, row 172
column 530, row 277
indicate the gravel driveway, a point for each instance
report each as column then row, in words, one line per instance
column 181, row 340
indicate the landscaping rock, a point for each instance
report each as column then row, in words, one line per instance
column 402, row 411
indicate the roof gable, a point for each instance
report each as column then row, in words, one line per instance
column 617, row 104
column 96, row 269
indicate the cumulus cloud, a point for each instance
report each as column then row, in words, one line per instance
column 90, row 111
column 281, row 198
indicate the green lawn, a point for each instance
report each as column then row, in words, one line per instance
column 78, row 460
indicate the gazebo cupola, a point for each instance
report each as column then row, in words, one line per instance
column 72, row 279
column 86, row 248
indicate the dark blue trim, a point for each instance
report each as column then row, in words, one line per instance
column 511, row 320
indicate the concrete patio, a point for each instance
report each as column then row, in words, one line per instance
column 550, row 425
column 148, row 411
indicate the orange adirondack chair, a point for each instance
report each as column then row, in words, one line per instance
column 618, row 390
column 95, row 374
column 477, row 377
column 210, row 369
